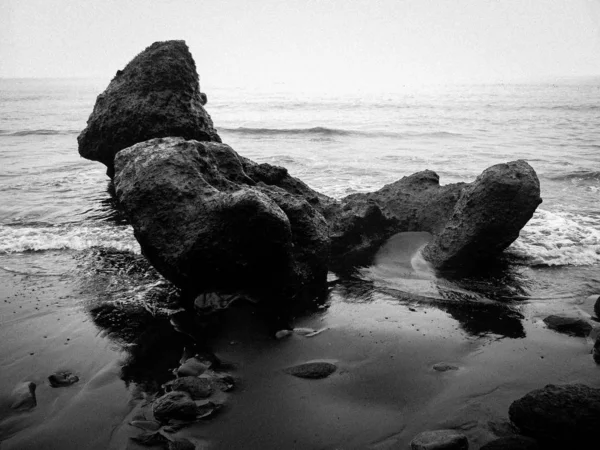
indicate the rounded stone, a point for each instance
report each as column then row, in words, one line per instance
column 559, row 415
column 198, row 388
column 23, row 396
column 573, row 326
column 312, row 370
column 444, row 367
column 440, row 440
column 174, row 405
column 62, row 379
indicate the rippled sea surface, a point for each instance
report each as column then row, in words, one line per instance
column 50, row 198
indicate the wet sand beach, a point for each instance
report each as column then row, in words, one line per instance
column 383, row 341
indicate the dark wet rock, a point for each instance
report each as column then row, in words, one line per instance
column 214, row 222
column 560, row 416
column 501, row 428
column 156, row 95
column 221, row 381
column 596, row 300
column 573, row 326
column 366, row 220
column 181, row 444
column 440, row 440
column 487, row 217
column 512, row 443
column 312, row 370
column 23, row 396
column 151, row 439
column 444, row 367
column 193, row 367
column 198, row 388
column 208, row 226
column 62, row 378
column 596, row 350
column 175, row 405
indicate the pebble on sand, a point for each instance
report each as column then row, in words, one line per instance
column 444, row 367
column 23, row 396
column 63, row 378
column 440, row 440
column 573, row 326
column 313, row 370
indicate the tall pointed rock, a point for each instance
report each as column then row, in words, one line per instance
column 156, row 95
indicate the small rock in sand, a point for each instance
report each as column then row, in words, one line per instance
column 444, row 367
column 512, row 443
column 63, row 378
column 573, row 326
column 23, row 396
column 193, row 367
column 440, row 440
column 175, row 405
column 198, row 388
column 312, row 370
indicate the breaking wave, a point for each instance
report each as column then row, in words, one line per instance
column 16, row 239
column 332, row 132
column 581, row 175
column 37, row 132
column 559, row 239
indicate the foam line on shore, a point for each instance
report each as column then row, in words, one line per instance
column 559, row 239
column 68, row 237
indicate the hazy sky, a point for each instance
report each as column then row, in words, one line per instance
column 309, row 42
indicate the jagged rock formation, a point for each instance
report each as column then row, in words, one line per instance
column 211, row 220
column 365, row 221
column 156, row 95
column 207, row 222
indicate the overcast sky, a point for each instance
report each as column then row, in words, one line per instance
column 308, row 42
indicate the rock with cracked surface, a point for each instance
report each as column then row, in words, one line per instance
column 156, row 95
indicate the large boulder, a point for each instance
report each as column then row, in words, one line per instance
column 156, row 95
column 564, row 416
column 207, row 226
column 212, row 221
column 488, row 216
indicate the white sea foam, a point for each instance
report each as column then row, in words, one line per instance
column 559, row 238
column 14, row 239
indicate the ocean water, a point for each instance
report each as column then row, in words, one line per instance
column 76, row 294
column 53, row 200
